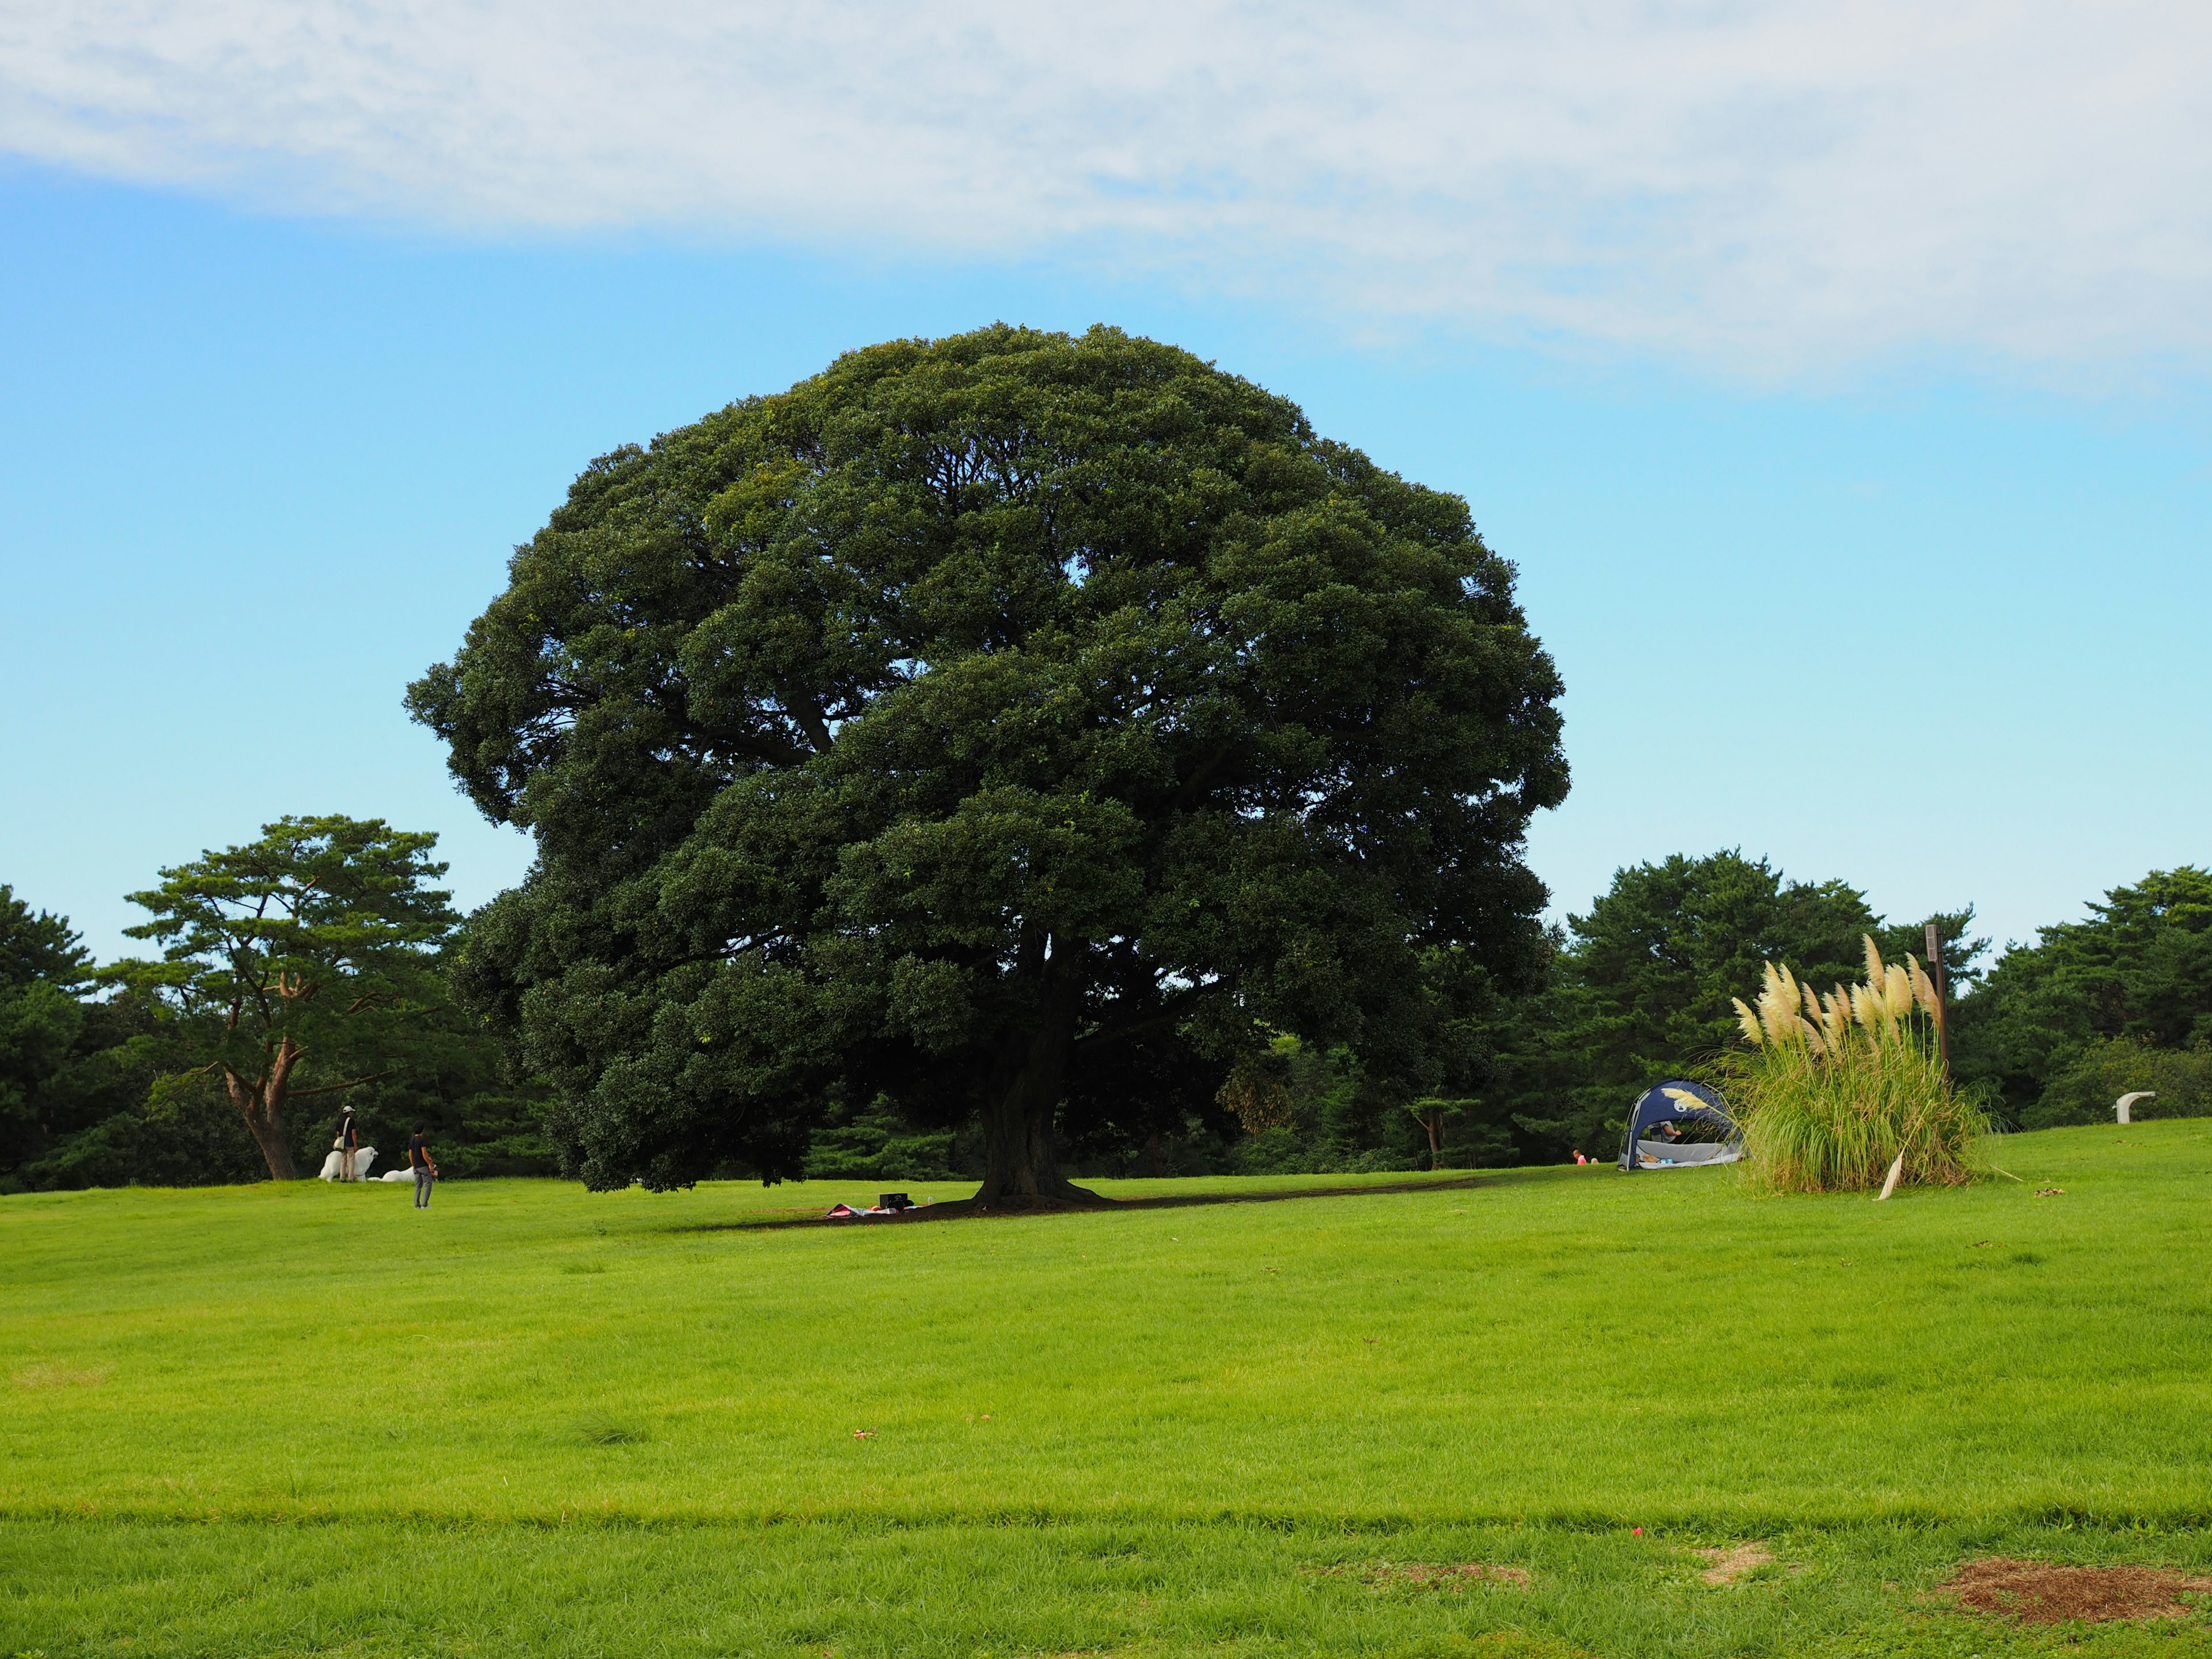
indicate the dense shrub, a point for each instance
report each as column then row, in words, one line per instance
column 1834, row 1088
column 2085, row 1090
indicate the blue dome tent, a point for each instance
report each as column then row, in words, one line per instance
column 1655, row 1140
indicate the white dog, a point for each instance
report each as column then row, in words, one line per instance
column 361, row 1160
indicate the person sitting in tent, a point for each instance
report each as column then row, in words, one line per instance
column 1680, row 1124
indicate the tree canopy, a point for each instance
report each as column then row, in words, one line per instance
column 1011, row 726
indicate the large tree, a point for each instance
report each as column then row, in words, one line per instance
column 301, row 964
column 1005, row 725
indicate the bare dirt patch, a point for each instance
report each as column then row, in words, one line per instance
column 58, row 1376
column 1421, row 1575
column 1726, row 1566
column 2038, row 1593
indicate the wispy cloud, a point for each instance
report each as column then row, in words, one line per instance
column 1760, row 184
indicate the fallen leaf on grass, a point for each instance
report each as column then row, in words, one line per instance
column 2050, row 1192
column 1725, row 1566
column 864, row 1434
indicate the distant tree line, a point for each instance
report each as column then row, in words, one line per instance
column 140, row 1073
column 2096, row 1009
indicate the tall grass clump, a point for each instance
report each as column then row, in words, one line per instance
column 1832, row 1088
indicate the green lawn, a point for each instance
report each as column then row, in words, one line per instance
column 537, row 1420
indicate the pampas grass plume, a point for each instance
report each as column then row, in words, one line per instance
column 1835, row 1091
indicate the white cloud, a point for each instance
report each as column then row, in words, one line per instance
column 1761, row 185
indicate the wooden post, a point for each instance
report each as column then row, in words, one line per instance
column 1942, row 1024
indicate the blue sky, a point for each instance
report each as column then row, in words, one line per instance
column 1909, row 590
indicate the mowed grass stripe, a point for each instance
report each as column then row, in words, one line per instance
column 1559, row 1344
column 962, row 1591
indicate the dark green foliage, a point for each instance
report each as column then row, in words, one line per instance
column 1641, row 987
column 2137, row 974
column 1331, row 1121
column 876, row 1143
column 67, row 1062
column 1335, row 1121
column 1012, row 725
column 39, row 948
column 180, row 1132
column 454, row 1080
column 2084, row 1089
column 43, row 972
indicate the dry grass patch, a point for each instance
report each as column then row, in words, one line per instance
column 2038, row 1593
column 1725, row 1566
column 58, row 1376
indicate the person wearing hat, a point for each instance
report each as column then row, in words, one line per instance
column 348, row 1143
column 419, row 1159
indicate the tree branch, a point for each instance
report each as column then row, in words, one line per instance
column 1169, row 1013
column 1192, row 788
column 802, row 710
column 332, row 1088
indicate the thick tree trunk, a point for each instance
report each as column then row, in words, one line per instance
column 1021, row 1164
column 261, row 1104
column 269, row 1135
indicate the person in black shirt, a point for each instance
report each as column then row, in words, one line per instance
column 349, row 1145
column 419, row 1159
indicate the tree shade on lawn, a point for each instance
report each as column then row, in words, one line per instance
column 1013, row 726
